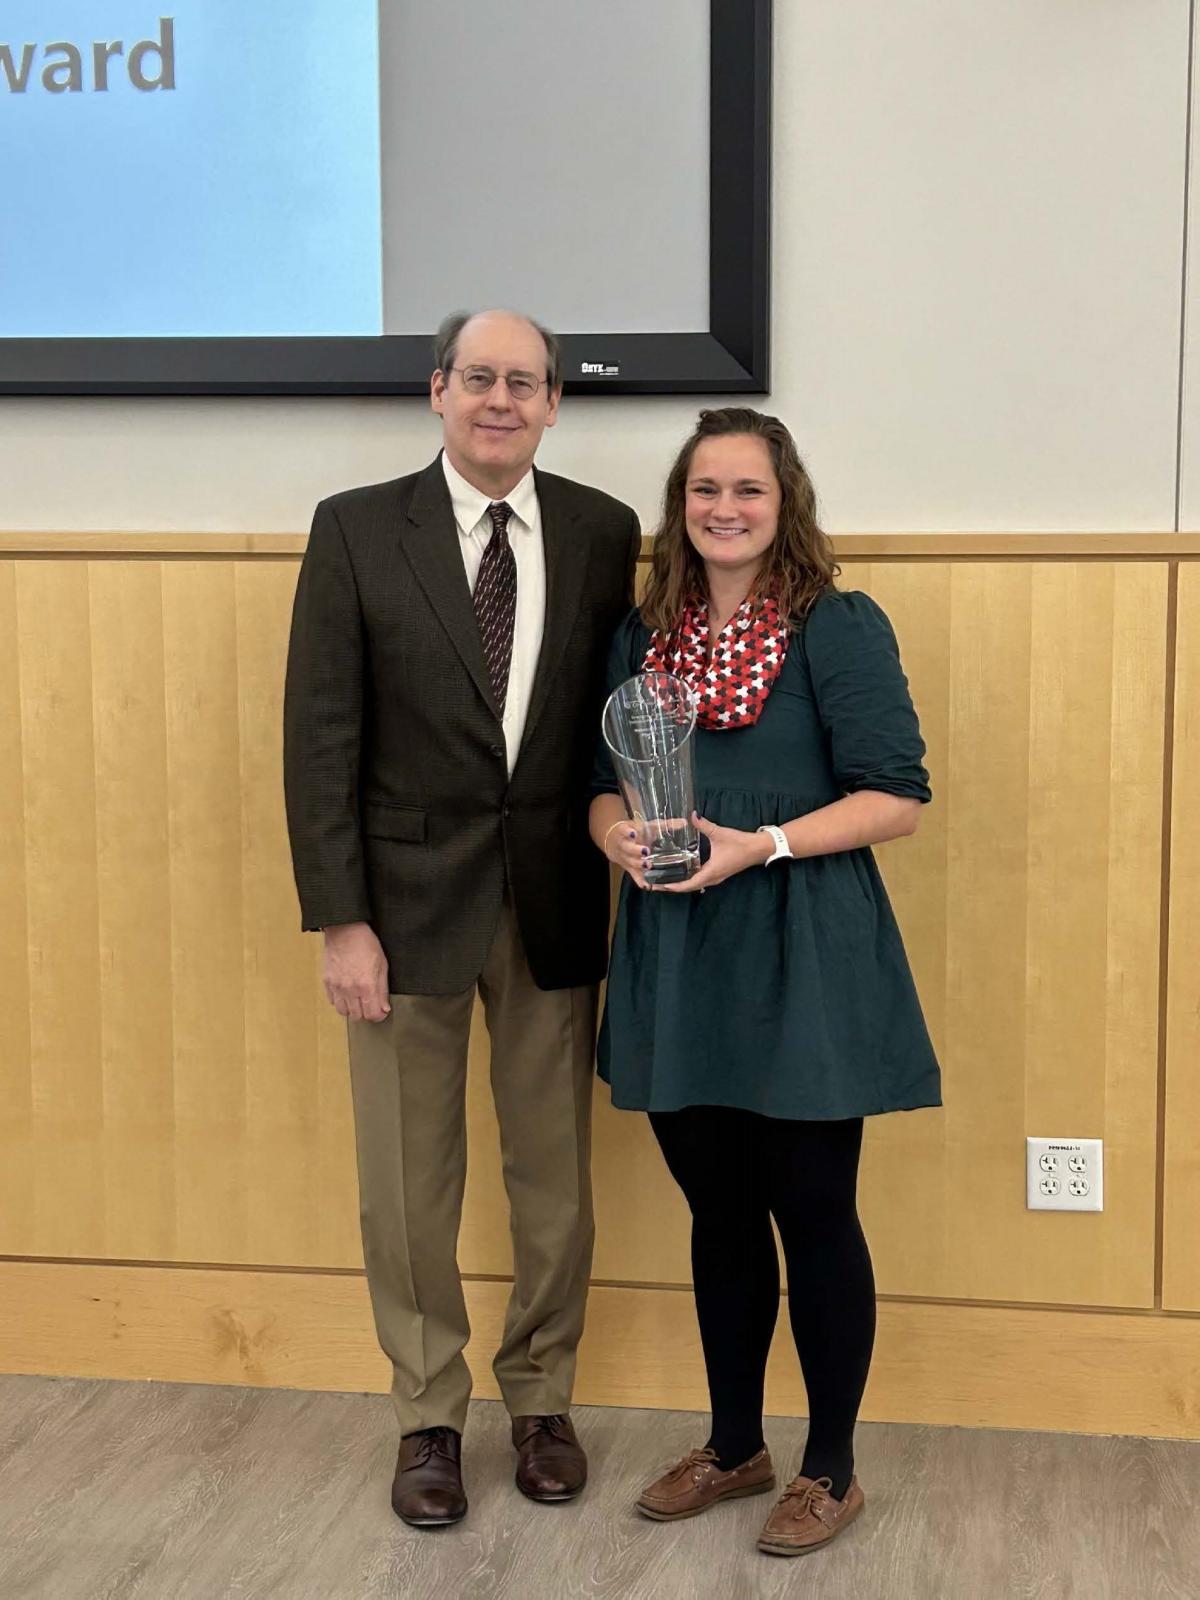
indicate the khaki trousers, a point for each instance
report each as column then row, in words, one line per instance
column 408, row 1075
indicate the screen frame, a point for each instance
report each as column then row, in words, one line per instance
column 731, row 357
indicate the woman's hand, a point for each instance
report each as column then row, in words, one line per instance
column 732, row 850
column 625, row 846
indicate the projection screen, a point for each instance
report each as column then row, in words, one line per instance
column 253, row 196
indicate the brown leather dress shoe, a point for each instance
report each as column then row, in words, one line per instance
column 427, row 1491
column 697, row 1482
column 551, row 1464
column 808, row 1516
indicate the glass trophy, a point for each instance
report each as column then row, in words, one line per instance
column 648, row 723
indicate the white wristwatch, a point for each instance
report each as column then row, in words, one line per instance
column 783, row 850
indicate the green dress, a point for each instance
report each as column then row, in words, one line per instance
column 784, row 990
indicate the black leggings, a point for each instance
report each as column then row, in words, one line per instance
column 737, row 1170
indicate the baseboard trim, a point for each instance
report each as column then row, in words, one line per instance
column 961, row 1365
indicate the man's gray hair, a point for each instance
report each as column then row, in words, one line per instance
column 445, row 344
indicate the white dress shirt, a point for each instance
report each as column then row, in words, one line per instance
column 525, row 537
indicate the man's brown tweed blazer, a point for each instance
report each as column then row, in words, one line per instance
column 400, row 808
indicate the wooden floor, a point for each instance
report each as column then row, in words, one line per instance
column 175, row 1492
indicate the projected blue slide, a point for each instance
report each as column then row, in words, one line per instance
column 204, row 167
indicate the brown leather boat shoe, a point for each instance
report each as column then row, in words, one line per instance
column 551, row 1464
column 697, row 1482
column 427, row 1491
column 808, row 1516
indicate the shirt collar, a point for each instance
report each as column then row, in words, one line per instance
column 470, row 504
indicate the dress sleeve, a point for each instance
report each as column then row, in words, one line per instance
column 625, row 658
column 862, row 697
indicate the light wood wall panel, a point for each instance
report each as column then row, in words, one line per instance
column 207, row 1118
column 1181, row 1231
column 954, row 1365
column 208, row 972
column 1048, row 887
column 134, row 906
column 173, row 1080
column 18, row 1156
column 300, row 1189
column 54, row 670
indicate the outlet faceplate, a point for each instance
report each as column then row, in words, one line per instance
column 1064, row 1174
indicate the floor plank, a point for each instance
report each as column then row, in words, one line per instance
column 120, row 1491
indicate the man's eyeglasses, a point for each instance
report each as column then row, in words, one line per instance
column 521, row 385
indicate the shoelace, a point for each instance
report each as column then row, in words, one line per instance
column 693, row 1459
column 554, row 1425
column 809, row 1496
column 435, row 1442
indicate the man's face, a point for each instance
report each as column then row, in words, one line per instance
column 492, row 437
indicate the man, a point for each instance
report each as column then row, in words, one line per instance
column 445, row 680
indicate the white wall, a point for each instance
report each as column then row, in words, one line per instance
column 1189, row 453
column 977, row 263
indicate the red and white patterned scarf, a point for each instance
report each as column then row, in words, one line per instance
column 747, row 657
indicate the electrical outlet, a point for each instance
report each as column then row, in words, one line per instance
column 1064, row 1174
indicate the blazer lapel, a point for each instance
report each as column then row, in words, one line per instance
column 566, row 567
column 430, row 541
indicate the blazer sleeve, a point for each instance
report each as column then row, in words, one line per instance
column 323, row 731
column 635, row 551
column 862, row 697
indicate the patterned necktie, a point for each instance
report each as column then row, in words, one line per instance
column 496, row 601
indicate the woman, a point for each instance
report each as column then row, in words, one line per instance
column 761, row 1009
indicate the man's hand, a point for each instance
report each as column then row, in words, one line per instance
column 355, row 972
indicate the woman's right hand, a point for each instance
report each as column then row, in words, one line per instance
column 626, row 848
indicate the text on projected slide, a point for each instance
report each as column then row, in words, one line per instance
column 63, row 70
column 210, row 172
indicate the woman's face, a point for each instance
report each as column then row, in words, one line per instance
column 731, row 504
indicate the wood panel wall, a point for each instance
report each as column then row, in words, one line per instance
column 172, row 1083
column 1181, row 1106
column 173, row 1086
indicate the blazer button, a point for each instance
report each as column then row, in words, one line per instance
column 507, row 812
column 496, row 749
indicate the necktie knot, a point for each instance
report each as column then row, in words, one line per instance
column 500, row 511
